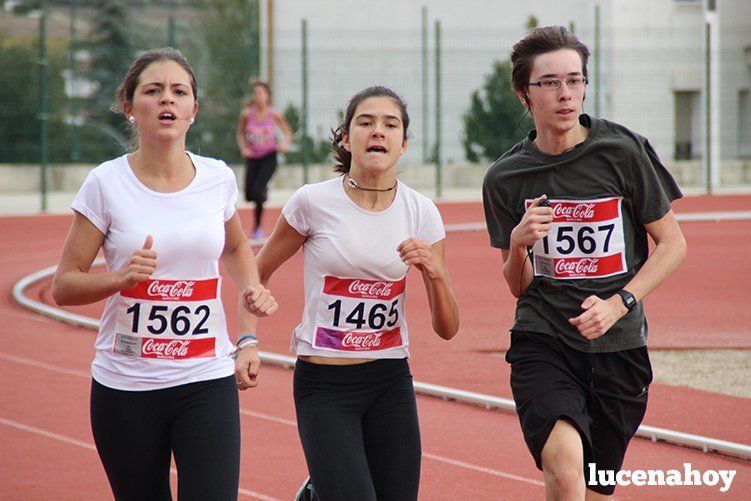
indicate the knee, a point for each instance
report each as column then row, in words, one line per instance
column 565, row 482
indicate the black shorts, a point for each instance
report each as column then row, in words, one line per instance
column 603, row 395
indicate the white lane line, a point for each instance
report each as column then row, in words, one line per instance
column 48, row 434
column 25, row 315
column 482, row 469
column 87, row 445
column 286, row 422
column 28, row 256
column 44, row 365
column 268, row 417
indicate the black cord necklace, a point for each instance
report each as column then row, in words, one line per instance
column 353, row 184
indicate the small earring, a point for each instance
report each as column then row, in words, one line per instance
column 192, row 120
column 132, row 119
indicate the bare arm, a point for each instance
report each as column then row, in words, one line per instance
column 281, row 245
column 670, row 250
column 431, row 261
column 669, row 253
column 73, row 284
column 517, row 269
column 238, row 257
column 286, row 130
column 240, row 133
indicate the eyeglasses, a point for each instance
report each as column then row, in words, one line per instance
column 555, row 83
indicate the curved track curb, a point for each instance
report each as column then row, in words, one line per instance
column 489, row 402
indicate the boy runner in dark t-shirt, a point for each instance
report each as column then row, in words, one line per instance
column 602, row 194
column 570, row 207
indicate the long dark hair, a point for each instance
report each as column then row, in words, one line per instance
column 342, row 157
column 542, row 41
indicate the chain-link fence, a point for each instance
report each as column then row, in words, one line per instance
column 664, row 78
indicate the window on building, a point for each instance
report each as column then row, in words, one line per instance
column 744, row 123
column 687, row 125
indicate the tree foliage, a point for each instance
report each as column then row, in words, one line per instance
column 112, row 52
column 319, row 151
column 19, row 102
column 222, row 65
column 494, row 121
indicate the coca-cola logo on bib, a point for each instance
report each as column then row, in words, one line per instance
column 162, row 289
column 370, row 289
column 165, row 348
column 578, row 211
column 172, row 290
column 583, row 266
column 362, row 340
column 363, row 289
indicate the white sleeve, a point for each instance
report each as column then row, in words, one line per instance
column 89, row 202
column 297, row 211
column 231, row 192
column 431, row 225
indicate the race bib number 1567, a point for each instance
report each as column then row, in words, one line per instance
column 586, row 240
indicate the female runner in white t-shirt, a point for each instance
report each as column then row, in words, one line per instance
column 163, row 380
column 360, row 233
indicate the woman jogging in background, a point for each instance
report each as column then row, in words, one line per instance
column 571, row 207
column 163, row 380
column 256, row 138
column 360, row 233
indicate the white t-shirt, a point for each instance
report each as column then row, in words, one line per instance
column 171, row 329
column 355, row 282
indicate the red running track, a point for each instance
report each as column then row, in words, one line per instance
column 470, row 453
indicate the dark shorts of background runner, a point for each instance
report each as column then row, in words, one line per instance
column 258, row 173
column 603, row 395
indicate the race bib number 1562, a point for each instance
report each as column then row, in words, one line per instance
column 169, row 319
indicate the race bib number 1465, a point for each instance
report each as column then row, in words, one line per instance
column 360, row 315
column 586, row 240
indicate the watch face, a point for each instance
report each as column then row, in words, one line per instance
column 629, row 301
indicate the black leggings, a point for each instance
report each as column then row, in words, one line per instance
column 135, row 432
column 359, row 430
column 258, row 173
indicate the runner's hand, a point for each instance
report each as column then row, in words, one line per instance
column 534, row 225
column 599, row 316
column 140, row 266
column 418, row 253
column 247, row 365
column 259, row 301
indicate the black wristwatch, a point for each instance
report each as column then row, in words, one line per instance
column 629, row 301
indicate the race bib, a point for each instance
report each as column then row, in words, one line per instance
column 169, row 319
column 360, row 315
column 586, row 240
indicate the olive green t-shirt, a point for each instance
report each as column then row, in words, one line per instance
column 603, row 193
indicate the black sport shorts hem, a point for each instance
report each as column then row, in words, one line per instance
column 603, row 395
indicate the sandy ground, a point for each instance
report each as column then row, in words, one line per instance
column 719, row 371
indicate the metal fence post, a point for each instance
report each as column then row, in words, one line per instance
column 438, row 160
column 304, row 113
column 43, row 115
column 425, row 83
